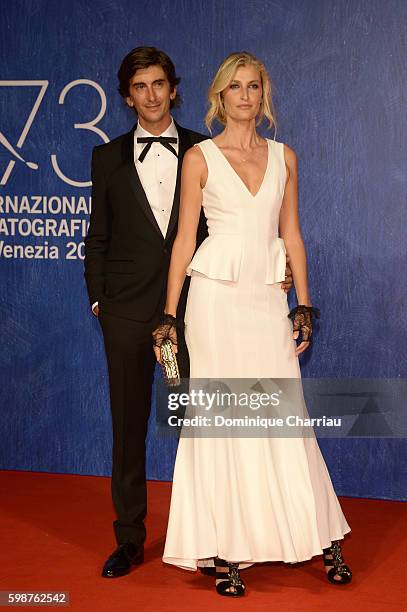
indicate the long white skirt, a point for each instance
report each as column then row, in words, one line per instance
column 247, row 500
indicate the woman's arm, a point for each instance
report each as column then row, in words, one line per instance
column 290, row 231
column 193, row 178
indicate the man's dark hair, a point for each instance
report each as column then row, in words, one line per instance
column 143, row 57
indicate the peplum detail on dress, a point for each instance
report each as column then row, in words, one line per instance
column 219, row 257
column 276, row 261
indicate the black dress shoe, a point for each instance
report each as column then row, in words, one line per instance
column 120, row 561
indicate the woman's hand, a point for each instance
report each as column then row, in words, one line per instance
column 167, row 329
column 301, row 347
column 301, row 317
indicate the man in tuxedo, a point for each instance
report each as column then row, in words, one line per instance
column 133, row 223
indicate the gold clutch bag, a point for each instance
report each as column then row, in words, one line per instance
column 169, row 364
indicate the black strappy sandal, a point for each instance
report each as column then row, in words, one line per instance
column 339, row 568
column 230, row 580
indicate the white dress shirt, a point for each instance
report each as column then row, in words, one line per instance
column 158, row 175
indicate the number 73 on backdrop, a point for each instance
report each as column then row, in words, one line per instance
column 89, row 125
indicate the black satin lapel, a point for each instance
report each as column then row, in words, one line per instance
column 135, row 183
column 183, row 145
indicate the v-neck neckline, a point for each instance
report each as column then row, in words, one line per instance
column 238, row 175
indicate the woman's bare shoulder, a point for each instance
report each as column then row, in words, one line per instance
column 290, row 158
column 194, row 157
column 194, row 163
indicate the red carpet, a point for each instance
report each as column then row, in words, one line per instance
column 56, row 533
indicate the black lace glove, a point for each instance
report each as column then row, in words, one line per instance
column 302, row 316
column 167, row 328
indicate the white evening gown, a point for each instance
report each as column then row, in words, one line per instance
column 245, row 499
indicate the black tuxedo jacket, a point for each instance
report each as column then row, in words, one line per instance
column 126, row 256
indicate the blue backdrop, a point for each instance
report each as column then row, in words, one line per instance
column 339, row 74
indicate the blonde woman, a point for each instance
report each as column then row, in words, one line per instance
column 239, row 501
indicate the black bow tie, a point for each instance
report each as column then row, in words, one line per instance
column 164, row 140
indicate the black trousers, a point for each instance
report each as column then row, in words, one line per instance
column 131, row 363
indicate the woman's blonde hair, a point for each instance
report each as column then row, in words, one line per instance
column 222, row 80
